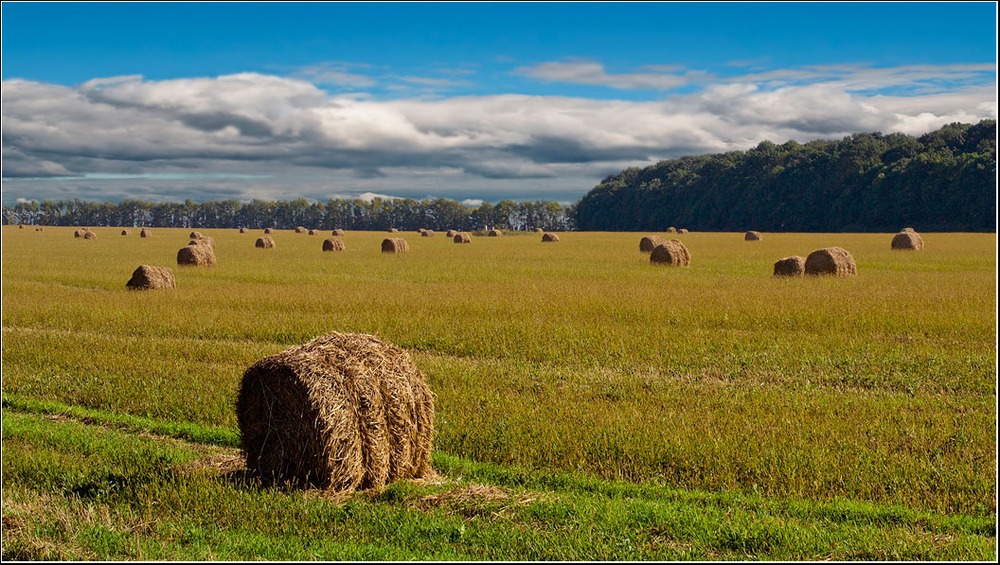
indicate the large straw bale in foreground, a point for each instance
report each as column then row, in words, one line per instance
column 148, row 277
column 831, row 261
column 395, row 245
column 670, row 252
column 648, row 243
column 333, row 244
column 196, row 255
column 793, row 266
column 910, row 240
column 341, row 412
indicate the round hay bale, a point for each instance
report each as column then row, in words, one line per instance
column 341, row 412
column 300, row 229
column 831, row 261
column 267, row 231
column 908, row 240
column 196, row 255
column 39, row 229
column 333, row 244
column 494, row 233
column 243, row 230
column 20, row 226
column 908, row 230
column 204, row 240
column 144, row 233
column 462, row 238
column 549, row 237
column 265, row 242
column 87, row 234
column 670, row 252
column 682, row 230
column 671, row 229
column 338, row 233
column 395, row 245
column 539, row 230
column 648, row 243
column 421, row 231
column 313, row 232
column 124, row 232
column 793, row 266
column 452, row 233
column 427, row 233
column 752, row 236
column 195, row 235
column 148, row 277
column 393, row 230
column 77, row 233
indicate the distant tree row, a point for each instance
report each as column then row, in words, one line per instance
column 377, row 214
column 945, row 180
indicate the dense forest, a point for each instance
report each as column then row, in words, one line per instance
column 377, row 214
column 945, row 180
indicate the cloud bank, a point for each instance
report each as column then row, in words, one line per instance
column 286, row 137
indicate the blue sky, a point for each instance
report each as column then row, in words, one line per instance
column 476, row 101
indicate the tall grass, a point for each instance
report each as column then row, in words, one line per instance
column 576, row 356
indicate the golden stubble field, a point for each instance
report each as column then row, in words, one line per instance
column 571, row 356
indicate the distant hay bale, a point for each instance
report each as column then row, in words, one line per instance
column 648, row 243
column 908, row 240
column 20, row 226
column 148, row 277
column 494, row 233
column 421, row 231
column 427, row 233
column 313, row 232
column 908, row 230
column 144, row 233
column 338, row 233
column 452, row 233
column 196, row 255
column 682, row 230
column 395, row 245
column 831, row 261
column 243, row 230
column 39, row 229
column 549, row 237
column 462, row 238
column 393, row 230
column 670, row 252
column 195, row 235
column 300, row 229
column 539, row 230
column 265, row 242
column 77, row 233
column 333, row 244
column 267, row 231
column 124, row 232
column 752, row 236
column 87, row 234
column 671, row 229
column 340, row 412
column 790, row 266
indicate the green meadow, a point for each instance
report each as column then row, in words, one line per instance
column 588, row 405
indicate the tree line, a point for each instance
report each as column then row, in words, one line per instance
column 376, row 214
column 868, row 182
column 944, row 180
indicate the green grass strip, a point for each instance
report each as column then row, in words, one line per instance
column 180, row 430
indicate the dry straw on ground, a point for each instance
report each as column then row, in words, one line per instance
column 148, row 277
column 790, row 266
column 338, row 232
column 341, row 412
column 752, row 236
column 494, row 233
column 910, row 240
column 549, row 237
column 196, row 255
column 648, row 243
column 333, row 244
column 671, row 252
column 462, row 238
column 265, row 242
column 395, row 245
column 831, row 261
